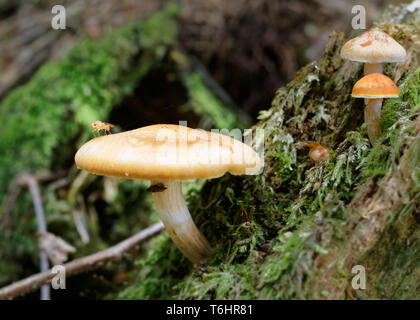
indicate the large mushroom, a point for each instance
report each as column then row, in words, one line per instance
column 165, row 155
column 373, row 48
column 374, row 87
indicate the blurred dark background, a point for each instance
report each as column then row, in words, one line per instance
column 250, row 47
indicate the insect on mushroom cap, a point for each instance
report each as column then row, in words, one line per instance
column 375, row 85
column 373, row 46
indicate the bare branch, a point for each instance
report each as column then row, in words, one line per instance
column 94, row 260
column 33, row 187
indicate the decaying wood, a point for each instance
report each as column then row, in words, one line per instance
column 371, row 210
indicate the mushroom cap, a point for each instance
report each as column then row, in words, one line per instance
column 373, row 46
column 319, row 153
column 167, row 152
column 375, row 86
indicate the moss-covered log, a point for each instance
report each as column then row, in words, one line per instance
column 297, row 230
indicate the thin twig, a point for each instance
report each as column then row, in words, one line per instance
column 31, row 181
column 33, row 187
column 94, row 260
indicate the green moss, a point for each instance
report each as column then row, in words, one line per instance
column 407, row 102
column 205, row 103
column 159, row 271
column 377, row 162
column 66, row 96
column 233, row 281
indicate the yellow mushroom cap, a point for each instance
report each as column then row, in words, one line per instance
column 375, row 86
column 168, row 152
column 373, row 46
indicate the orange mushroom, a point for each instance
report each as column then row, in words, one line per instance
column 374, row 87
column 317, row 152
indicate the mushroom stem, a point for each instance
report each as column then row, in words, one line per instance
column 372, row 118
column 373, row 68
column 173, row 211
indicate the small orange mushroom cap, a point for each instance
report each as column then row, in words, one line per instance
column 375, row 86
column 317, row 152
